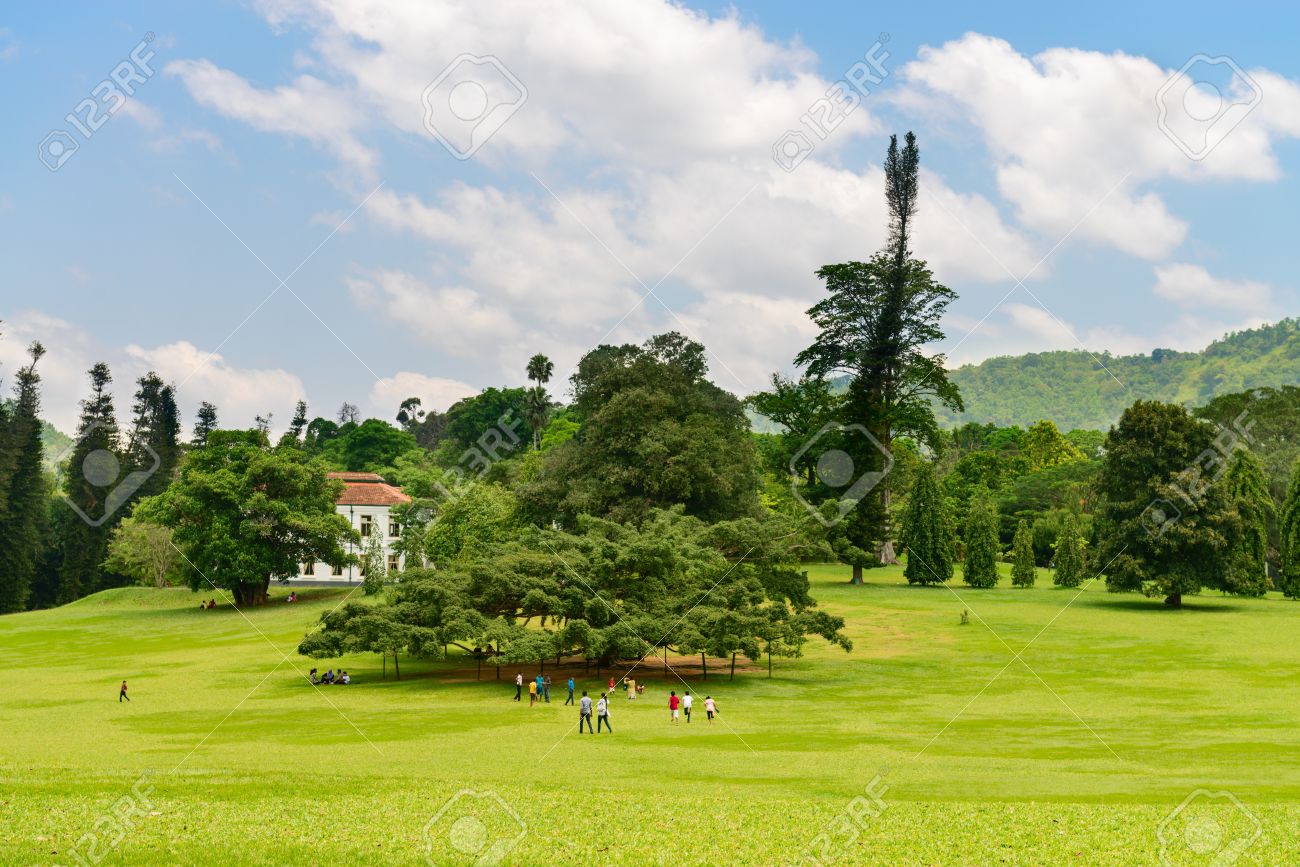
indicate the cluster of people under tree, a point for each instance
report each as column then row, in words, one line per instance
column 330, row 677
column 211, row 603
column 539, row 690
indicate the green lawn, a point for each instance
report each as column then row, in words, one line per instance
column 1076, row 753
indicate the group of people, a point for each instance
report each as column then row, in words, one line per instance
column 539, row 690
column 211, row 603
column 330, row 677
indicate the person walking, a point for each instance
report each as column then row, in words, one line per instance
column 546, row 689
column 519, row 685
column 710, row 707
column 631, row 688
column 673, row 703
column 686, row 706
column 602, row 715
column 584, row 712
column 532, row 693
column 569, row 700
column 122, row 696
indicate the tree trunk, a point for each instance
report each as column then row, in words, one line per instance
column 733, row 666
column 885, row 549
column 665, row 662
column 704, row 666
column 1174, row 600
column 478, row 661
column 769, row 663
column 857, row 574
column 396, row 667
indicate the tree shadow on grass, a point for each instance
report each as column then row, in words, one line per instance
column 1144, row 604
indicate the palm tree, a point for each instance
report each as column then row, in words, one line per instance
column 537, row 407
column 540, row 369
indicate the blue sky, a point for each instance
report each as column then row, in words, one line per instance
column 295, row 130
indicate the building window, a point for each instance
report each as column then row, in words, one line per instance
column 365, row 526
column 363, row 570
column 309, row 568
column 336, row 571
column 394, row 528
column 394, row 563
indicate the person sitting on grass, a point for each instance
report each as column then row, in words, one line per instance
column 346, row 678
column 314, row 678
column 329, row 676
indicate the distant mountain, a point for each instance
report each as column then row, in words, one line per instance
column 1075, row 391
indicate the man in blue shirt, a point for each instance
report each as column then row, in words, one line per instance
column 569, row 700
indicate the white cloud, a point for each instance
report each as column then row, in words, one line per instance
column 1194, row 286
column 309, row 108
column 436, row 393
column 1067, row 126
column 239, row 393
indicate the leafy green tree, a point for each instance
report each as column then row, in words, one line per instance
column 409, row 414
column 358, row 628
column 802, row 408
column 23, row 516
column 1023, row 573
column 204, row 424
column 297, row 426
column 143, row 552
column 1071, row 555
column 980, row 568
column 91, row 492
column 874, row 327
column 1164, row 526
column 1044, row 446
column 482, row 516
column 537, row 410
column 1247, row 562
column 368, row 447
column 654, row 432
column 927, row 532
column 245, row 514
column 1289, row 530
column 470, row 420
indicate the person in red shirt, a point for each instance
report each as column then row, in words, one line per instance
column 673, row 703
column 122, row 696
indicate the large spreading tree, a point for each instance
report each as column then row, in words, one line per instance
column 873, row 327
column 1167, row 525
column 654, row 433
column 244, row 514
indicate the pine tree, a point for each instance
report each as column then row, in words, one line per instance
column 982, row 545
column 90, row 483
column 374, row 568
column 153, row 447
column 204, row 424
column 22, row 527
column 927, row 532
column 299, row 422
column 1071, row 565
column 1022, row 557
column 1289, row 531
column 1247, row 561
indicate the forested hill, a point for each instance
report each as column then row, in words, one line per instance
column 1074, row 391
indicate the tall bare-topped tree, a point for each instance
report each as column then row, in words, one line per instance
column 874, row 326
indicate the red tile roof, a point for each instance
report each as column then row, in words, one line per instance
column 368, row 489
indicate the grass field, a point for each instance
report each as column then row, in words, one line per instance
column 932, row 742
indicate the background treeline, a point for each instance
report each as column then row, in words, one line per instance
column 1073, row 390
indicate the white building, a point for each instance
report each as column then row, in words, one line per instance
column 366, row 501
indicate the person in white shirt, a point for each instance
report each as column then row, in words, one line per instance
column 602, row 715
column 519, row 685
column 686, row 705
column 710, row 707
